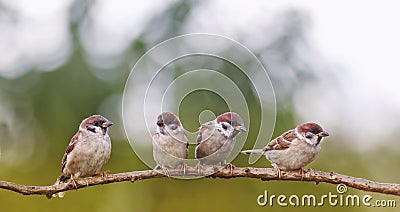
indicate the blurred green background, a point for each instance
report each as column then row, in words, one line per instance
column 61, row 62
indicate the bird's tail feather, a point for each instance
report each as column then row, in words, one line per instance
column 254, row 151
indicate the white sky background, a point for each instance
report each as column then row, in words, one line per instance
column 358, row 40
column 363, row 39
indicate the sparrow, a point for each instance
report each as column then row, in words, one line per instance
column 87, row 152
column 293, row 149
column 170, row 144
column 217, row 138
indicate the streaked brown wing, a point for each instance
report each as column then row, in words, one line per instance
column 200, row 151
column 69, row 149
column 209, row 140
column 282, row 142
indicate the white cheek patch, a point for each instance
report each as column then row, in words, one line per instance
column 302, row 137
column 97, row 130
column 226, row 131
column 309, row 141
column 158, row 131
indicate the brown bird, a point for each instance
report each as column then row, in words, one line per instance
column 217, row 138
column 87, row 152
column 170, row 144
column 293, row 149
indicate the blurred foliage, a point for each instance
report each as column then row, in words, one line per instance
column 58, row 100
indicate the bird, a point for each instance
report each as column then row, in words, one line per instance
column 170, row 144
column 87, row 152
column 217, row 138
column 294, row 149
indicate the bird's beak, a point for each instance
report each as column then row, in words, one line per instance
column 106, row 124
column 323, row 134
column 240, row 128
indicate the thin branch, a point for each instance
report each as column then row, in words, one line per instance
column 245, row 172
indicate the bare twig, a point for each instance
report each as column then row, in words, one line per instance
column 245, row 172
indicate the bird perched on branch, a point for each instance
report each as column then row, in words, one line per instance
column 217, row 138
column 293, row 149
column 170, row 144
column 87, row 152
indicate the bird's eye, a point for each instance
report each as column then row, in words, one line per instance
column 96, row 123
column 314, row 131
column 224, row 126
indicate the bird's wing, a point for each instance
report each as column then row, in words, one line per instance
column 69, row 149
column 282, row 142
column 187, row 147
column 183, row 138
column 202, row 138
column 209, row 140
column 200, row 135
column 206, row 132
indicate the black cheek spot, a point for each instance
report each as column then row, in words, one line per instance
column 224, row 126
column 160, row 123
column 91, row 129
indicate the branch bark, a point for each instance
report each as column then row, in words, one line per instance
column 264, row 174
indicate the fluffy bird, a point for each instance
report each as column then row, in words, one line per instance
column 170, row 144
column 217, row 138
column 293, row 149
column 87, row 152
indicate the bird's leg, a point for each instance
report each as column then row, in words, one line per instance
column 230, row 167
column 102, row 174
column 301, row 171
column 308, row 172
column 279, row 173
column 278, row 170
column 166, row 171
column 74, row 182
column 105, row 173
column 163, row 168
column 199, row 167
column 184, row 169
